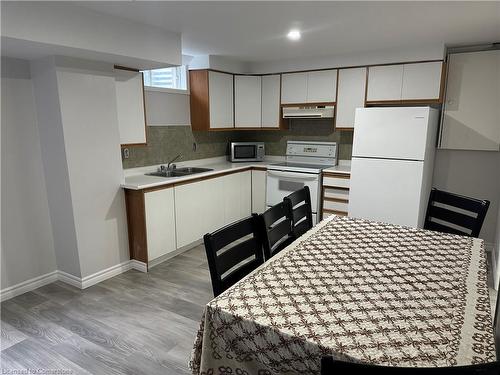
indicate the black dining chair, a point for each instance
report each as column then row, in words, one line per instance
column 233, row 252
column 275, row 228
column 330, row 366
column 300, row 211
column 456, row 214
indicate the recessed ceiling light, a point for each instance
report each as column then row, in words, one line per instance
column 293, row 34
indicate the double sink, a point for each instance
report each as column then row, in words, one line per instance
column 179, row 172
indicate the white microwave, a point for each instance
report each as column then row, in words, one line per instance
column 246, row 151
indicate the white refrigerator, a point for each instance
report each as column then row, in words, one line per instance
column 392, row 164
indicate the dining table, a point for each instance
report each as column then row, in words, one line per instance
column 357, row 290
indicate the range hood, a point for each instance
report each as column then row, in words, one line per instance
column 308, row 112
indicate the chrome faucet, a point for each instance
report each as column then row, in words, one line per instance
column 171, row 161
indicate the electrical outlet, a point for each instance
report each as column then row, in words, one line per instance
column 125, row 153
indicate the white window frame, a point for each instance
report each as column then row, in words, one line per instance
column 171, row 90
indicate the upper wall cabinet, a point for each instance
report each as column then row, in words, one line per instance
column 247, row 101
column 422, row 81
column 309, row 87
column 384, row 83
column 321, row 86
column 351, row 95
column 293, row 88
column 221, row 100
column 471, row 119
column 130, row 106
column 211, row 100
column 410, row 83
column 270, row 117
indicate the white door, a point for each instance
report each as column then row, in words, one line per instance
column 322, row 86
column 160, row 222
column 258, row 191
column 351, row 95
column 237, row 192
column 397, row 133
column 471, row 118
column 384, row 83
column 386, row 190
column 281, row 183
column 247, row 101
column 130, row 107
column 199, row 209
column 271, row 101
column 421, row 81
column 293, row 88
column 220, row 86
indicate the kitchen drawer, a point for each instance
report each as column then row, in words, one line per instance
column 336, row 205
column 339, row 180
column 335, row 193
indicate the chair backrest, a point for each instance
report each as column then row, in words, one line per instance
column 275, row 228
column 233, row 252
column 456, row 214
column 300, row 211
column 330, row 366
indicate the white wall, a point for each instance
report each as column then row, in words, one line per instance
column 430, row 52
column 27, row 242
column 167, row 108
column 66, row 29
column 54, row 165
column 217, row 62
column 92, row 142
column 475, row 174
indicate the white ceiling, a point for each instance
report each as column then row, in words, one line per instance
column 256, row 31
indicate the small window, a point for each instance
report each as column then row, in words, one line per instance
column 166, row 78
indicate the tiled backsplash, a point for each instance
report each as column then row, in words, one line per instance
column 165, row 142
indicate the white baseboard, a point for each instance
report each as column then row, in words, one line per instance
column 105, row 274
column 139, row 266
column 28, row 285
column 78, row 282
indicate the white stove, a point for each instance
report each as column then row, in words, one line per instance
column 303, row 166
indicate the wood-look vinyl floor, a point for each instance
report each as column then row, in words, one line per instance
column 134, row 323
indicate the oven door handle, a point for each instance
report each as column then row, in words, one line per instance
column 294, row 176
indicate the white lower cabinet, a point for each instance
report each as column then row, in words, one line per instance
column 160, row 222
column 258, row 191
column 237, row 192
column 207, row 205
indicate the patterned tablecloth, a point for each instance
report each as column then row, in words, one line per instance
column 359, row 290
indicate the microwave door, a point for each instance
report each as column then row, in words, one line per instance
column 244, row 152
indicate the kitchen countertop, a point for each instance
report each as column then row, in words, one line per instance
column 136, row 179
column 345, row 169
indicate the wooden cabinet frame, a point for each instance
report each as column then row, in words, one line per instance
column 136, row 212
column 373, row 103
column 199, row 96
column 200, row 107
column 328, row 199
